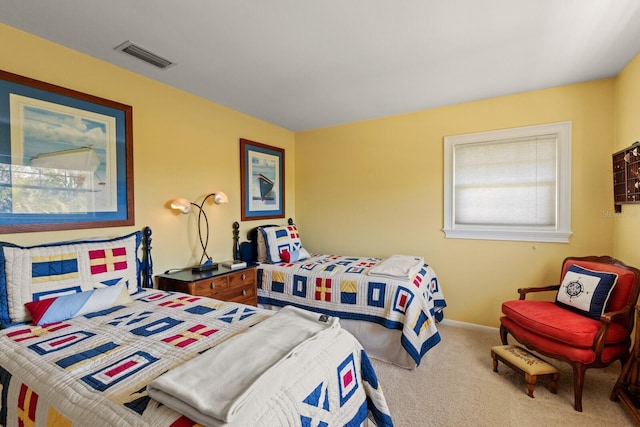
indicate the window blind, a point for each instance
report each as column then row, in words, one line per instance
column 507, row 183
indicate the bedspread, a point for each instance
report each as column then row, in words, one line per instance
column 94, row 369
column 340, row 286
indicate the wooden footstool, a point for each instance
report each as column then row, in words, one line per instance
column 526, row 363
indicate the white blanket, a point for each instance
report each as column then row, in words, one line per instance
column 398, row 267
column 236, row 377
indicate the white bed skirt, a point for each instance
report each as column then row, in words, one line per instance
column 379, row 342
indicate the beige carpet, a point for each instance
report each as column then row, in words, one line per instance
column 455, row 386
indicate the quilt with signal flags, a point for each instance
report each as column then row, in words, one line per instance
column 344, row 287
column 94, row 369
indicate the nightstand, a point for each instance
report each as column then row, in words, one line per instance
column 223, row 284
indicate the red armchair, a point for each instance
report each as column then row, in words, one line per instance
column 590, row 322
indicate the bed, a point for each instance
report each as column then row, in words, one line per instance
column 85, row 340
column 393, row 316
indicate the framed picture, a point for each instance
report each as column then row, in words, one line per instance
column 66, row 158
column 261, row 180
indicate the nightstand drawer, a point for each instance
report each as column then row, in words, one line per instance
column 245, row 294
column 210, row 287
column 242, row 278
column 242, row 287
column 223, row 284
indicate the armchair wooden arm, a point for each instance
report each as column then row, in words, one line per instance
column 601, row 335
column 611, row 314
column 605, row 321
column 524, row 291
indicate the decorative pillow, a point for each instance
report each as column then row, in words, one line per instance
column 44, row 271
column 277, row 239
column 65, row 307
column 586, row 291
column 295, row 255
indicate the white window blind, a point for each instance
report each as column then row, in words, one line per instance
column 511, row 184
column 506, row 183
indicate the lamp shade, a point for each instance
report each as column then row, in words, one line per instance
column 181, row 204
column 220, row 197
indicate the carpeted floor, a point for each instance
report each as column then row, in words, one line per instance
column 455, row 386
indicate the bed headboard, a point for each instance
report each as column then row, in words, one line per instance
column 248, row 251
column 146, row 262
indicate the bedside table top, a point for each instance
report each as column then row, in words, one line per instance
column 186, row 275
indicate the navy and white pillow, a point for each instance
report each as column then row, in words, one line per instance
column 280, row 239
column 586, row 291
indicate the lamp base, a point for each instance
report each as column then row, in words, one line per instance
column 204, row 267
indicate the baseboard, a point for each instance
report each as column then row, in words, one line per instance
column 468, row 325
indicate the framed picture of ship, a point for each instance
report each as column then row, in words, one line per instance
column 261, row 181
column 66, row 158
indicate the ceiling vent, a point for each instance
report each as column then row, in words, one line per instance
column 147, row 56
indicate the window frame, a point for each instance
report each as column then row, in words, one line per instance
column 559, row 233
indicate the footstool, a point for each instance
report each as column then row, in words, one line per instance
column 526, row 363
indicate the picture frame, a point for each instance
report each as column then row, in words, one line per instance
column 66, row 158
column 261, row 181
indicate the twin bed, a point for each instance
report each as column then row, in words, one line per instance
column 391, row 306
column 86, row 340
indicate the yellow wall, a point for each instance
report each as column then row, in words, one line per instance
column 627, row 224
column 375, row 188
column 371, row 188
column 183, row 146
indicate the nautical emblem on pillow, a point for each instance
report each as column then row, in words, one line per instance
column 105, row 260
column 49, row 268
column 574, row 289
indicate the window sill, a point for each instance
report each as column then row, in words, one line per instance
column 522, row 236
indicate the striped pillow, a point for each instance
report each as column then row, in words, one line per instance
column 57, row 309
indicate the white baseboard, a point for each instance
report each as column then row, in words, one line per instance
column 468, row 325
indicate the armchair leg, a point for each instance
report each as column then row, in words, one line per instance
column 578, row 383
column 503, row 334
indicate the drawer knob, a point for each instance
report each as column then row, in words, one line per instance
column 244, row 276
column 213, row 285
column 244, row 292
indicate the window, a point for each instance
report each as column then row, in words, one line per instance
column 512, row 184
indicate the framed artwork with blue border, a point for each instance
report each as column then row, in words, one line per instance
column 66, row 158
column 261, row 181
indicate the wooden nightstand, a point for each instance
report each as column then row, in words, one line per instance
column 222, row 284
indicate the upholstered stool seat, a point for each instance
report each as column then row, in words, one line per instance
column 526, row 363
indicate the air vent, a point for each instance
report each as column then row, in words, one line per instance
column 141, row 53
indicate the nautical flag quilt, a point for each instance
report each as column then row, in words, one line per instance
column 94, row 369
column 340, row 286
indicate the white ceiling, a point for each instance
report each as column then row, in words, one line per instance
column 305, row 64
